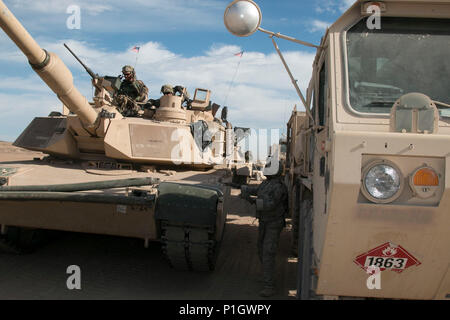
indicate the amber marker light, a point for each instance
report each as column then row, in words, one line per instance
column 424, row 182
column 426, row 177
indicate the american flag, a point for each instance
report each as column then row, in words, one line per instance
column 136, row 49
column 239, row 54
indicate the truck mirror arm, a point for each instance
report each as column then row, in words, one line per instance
column 282, row 36
column 294, row 82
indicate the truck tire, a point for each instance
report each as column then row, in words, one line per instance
column 305, row 255
column 295, row 219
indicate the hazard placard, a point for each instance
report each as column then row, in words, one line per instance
column 387, row 256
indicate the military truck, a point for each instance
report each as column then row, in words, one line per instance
column 159, row 175
column 368, row 158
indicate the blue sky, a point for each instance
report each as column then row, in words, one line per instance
column 182, row 42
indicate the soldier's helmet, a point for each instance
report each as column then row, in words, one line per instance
column 167, row 89
column 128, row 69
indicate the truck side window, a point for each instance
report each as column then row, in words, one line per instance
column 322, row 94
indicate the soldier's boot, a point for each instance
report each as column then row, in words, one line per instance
column 267, row 292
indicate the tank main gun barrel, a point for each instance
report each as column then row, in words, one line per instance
column 49, row 67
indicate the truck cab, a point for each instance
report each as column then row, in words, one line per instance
column 370, row 174
column 368, row 159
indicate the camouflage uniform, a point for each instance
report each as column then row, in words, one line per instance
column 131, row 92
column 135, row 90
column 168, row 89
column 271, row 206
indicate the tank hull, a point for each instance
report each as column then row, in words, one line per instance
column 133, row 211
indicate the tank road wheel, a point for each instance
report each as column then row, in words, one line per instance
column 21, row 240
column 305, row 255
column 189, row 248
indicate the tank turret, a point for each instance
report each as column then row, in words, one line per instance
column 177, row 130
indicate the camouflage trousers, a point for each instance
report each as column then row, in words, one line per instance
column 127, row 106
column 129, row 110
column 268, row 238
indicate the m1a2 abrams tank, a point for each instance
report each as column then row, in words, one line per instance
column 101, row 175
column 369, row 157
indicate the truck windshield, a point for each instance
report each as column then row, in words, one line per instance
column 406, row 55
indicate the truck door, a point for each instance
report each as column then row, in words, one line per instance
column 321, row 134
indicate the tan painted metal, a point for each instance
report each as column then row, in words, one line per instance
column 345, row 223
column 109, row 219
column 171, row 110
column 122, row 220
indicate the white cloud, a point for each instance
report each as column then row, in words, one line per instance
column 345, row 4
column 27, row 84
column 333, row 6
column 319, row 26
column 122, row 16
column 261, row 96
column 18, row 109
column 59, row 6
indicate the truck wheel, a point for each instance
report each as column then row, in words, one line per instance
column 295, row 219
column 305, row 270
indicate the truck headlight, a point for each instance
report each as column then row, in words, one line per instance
column 382, row 182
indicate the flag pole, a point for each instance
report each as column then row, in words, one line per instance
column 135, row 63
column 137, row 50
column 239, row 54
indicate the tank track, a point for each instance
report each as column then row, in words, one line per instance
column 8, row 246
column 189, row 247
column 22, row 240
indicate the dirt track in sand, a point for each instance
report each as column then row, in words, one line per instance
column 121, row 268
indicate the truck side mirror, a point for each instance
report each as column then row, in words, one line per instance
column 242, row 17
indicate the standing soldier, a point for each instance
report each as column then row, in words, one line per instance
column 271, row 207
column 131, row 91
